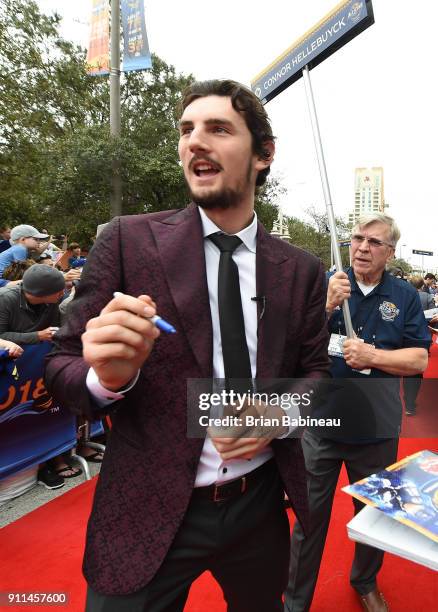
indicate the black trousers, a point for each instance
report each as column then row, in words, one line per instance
column 411, row 388
column 243, row 541
column 324, row 460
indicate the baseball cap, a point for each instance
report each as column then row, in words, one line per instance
column 26, row 231
column 41, row 281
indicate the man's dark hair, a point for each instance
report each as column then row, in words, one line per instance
column 430, row 276
column 243, row 101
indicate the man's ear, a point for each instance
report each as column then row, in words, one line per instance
column 267, row 156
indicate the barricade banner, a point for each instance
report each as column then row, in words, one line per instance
column 32, row 427
column 136, row 55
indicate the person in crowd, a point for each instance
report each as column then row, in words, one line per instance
column 429, row 282
column 167, row 506
column 46, row 259
column 26, row 239
column 74, row 251
column 398, row 273
column 30, row 314
column 392, row 340
column 51, row 247
column 426, row 298
column 5, row 237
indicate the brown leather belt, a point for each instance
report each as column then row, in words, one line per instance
column 234, row 488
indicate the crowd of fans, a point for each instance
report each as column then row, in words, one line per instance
column 35, row 290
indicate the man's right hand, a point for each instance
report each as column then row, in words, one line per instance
column 120, row 339
column 339, row 289
column 45, row 334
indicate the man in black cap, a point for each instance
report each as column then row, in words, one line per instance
column 30, row 313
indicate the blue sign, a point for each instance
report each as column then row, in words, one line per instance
column 338, row 27
column 32, row 427
column 136, row 55
column 345, row 243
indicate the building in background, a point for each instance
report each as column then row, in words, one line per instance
column 369, row 194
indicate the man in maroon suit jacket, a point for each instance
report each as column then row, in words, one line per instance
column 168, row 507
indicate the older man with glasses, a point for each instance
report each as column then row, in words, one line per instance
column 391, row 340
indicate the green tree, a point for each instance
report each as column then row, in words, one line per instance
column 400, row 263
column 314, row 235
column 44, row 95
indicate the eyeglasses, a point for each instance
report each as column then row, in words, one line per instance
column 373, row 243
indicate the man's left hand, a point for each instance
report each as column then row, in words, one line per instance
column 239, row 448
column 243, row 441
column 358, row 355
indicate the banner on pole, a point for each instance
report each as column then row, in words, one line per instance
column 136, row 55
column 98, row 48
column 338, row 27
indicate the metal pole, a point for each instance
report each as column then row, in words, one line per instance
column 326, row 191
column 116, row 179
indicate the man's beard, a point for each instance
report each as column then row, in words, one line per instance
column 224, row 199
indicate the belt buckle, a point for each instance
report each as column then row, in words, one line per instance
column 216, row 492
column 216, row 497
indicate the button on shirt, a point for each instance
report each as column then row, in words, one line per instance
column 211, row 468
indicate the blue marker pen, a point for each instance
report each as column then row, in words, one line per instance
column 156, row 320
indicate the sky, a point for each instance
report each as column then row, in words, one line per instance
column 376, row 98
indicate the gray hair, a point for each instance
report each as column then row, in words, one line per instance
column 367, row 219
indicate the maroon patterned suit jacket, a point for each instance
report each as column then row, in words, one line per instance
column 150, row 465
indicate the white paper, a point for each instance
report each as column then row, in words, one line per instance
column 371, row 526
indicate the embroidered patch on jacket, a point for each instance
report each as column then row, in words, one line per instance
column 389, row 311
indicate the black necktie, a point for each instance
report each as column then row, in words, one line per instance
column 234, row 347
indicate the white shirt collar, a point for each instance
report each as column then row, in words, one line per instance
column 248, row 235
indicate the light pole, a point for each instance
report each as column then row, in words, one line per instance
column 116, row 178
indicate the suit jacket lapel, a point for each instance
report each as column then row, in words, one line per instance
column 274, row 277
column 180, row 246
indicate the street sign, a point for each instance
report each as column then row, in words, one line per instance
column 430, row 253
column 345, row 243
column 332, row 32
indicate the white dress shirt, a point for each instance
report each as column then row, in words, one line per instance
column 211, row 467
